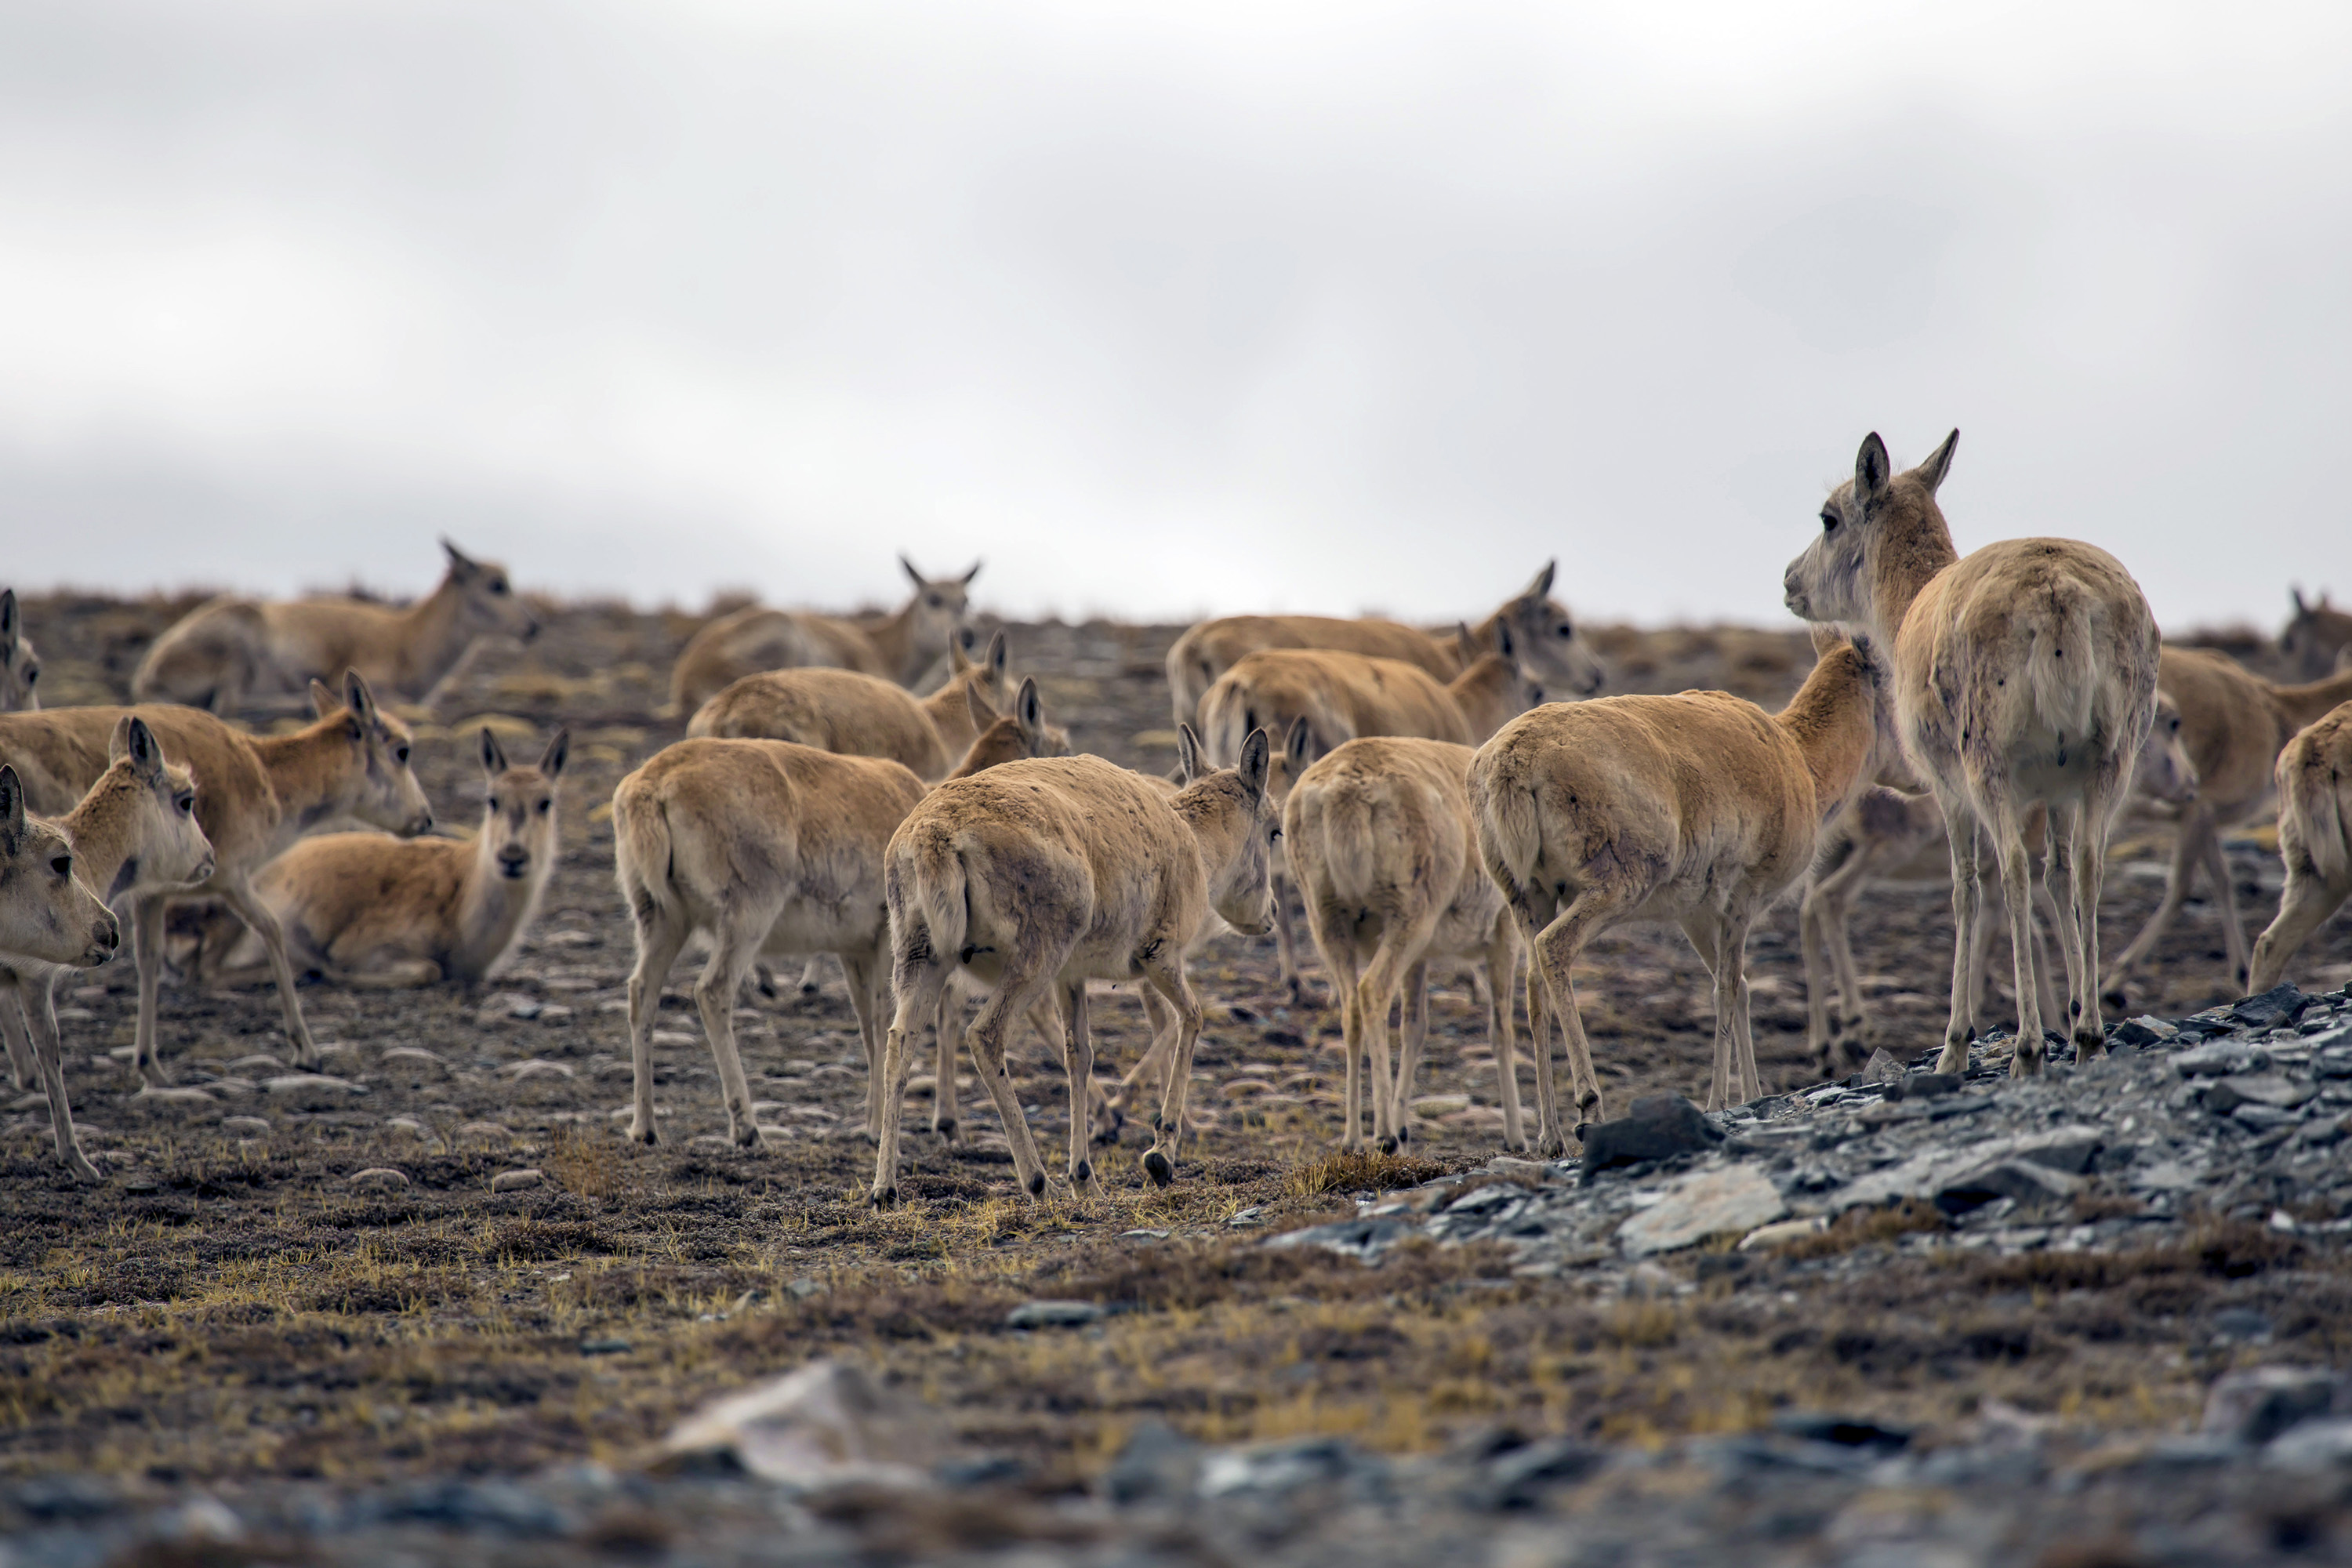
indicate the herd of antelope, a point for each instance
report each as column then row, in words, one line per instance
column 1451, row 801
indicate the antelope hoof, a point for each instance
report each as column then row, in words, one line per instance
column 1388, row 1143
column 1955, row 1059
column 946, row 1128
column 1158, row 1167
column 1555, row 1147
column 746, row 1137
column 644, row 1133
column 883, row 1197
column 1107, row 1133
column 82, row 1170
column 1036, row 1184
column 2089, row 1042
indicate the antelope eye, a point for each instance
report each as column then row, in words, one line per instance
column 32, row 673
column 545, row 806
column 399, row 753
column 186, row 802
column 1565, row 630
column 935, row 601
column 62, row 865
column 494, row 803
column 498, row 585
column 1829, row 520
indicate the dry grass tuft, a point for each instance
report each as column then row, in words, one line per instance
column 1365, row 1170
column 583, row 1164
column 1864, row 1227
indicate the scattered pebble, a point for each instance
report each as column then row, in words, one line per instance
column 514, row 1180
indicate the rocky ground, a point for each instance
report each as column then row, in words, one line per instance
column 1904, row 1319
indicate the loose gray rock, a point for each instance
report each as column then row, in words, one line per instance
column 1159, row 1464
column 2257, row 1403
column 1053, row 1315
column 515, row 1180
column 2221, row 1058
column 1659, row 1127
column 2274, row 1089
column 1735, row 1198
column 2024, row 1183
column 2279, row 1005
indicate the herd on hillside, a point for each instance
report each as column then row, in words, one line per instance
column 1452, row 801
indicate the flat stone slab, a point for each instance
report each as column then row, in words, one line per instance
column 1701, row 1205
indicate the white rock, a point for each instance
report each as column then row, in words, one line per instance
column 1700, row 1205
column 379, row 1176
column 515, row 1180
column 823, row 1425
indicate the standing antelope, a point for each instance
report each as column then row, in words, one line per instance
column 47, row 915
column 2314, row 788
column 20, row 667
column 135, row 834
column 2024, row 674
column 229, row 650
column 256, row 794
column 1539, row 625
column 1886, row 828
column 897, row 647
column 859, row 715
column 369, row 910
column 1329, row 696
column 777, row 849
column 1700, row 808
column 1380, row 838
column 1039, row 876
column 2316, row 638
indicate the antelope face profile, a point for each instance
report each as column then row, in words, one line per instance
column 519, row 810
column 387, row 794
column 2165, row 771
column 1242, row 889
column 2317, row 639
column 1827, row 582
column 1542, row 636
column 941, row 605
column 20, row 667
column 170, row 846
column 487, row 602
column 45, row 913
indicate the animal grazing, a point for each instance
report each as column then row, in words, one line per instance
column 1700, row 808
column 1038, row 876
column 2314, row 790
column 370, row 910
column 2233, row 725
column 776, row 850
column 2024, row 674
column 1539, row 626
column 135, row 834
column 20, row 667
column 228, row 651
column 2316, row 639
column 1381, row 840
column 1328, row 697
column 256, row 794
column 859, row 715
column 897, row 647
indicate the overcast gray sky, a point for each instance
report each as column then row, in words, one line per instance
column 1166, row 309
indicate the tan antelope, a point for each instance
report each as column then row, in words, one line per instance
column 1540, row 627
column 1886, row 828
column 372, row 911
column 135, row 834
column 859, row 715
column 2316, row 639
column 1036, row 876
column 897, row 647
column 1699, row 808
column 2314, row 790
column 1381, row 840
column 255, row 796
column 2233, row 725
column 20, row 667
column 49, row 917
column 1339, row 696
column 770, row 847
column 2024, row 675
column 229, row 651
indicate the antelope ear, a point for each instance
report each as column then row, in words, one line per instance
column 358, row 697
column 1871, row 469
column 912, row 575
column 1937, row 463
column 1503, row 643
column 982, row 715
column 118, row 744
column 966, row 577
column 146, row 754
column 7, row 620
column 999, row 655
column 12, row 809
column 2300, row 608
column 1465, row 643
column 493, row 757
column 322, row 699
column 550, row 761
column 1029, row 709
column 958, row 661
column 1257, row 754
column 459, row 562
column 1188, row 753
column 1298, row 745
column 1539, row 585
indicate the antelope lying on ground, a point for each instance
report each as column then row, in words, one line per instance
column 369, row 910
column 135, row 834
column 1339, row 696
column 1700, row 808
column 769, row 848
column 2233, row 725
column 1539, row 626
column 894, row 647
column 20, row 667
column 2314, row 788
column 1039, row 876
column 2316, row 639
column 1886, row 829
column 228, row 651
column 2024, row 674
column 256, row 794
column 1381, row 840
column 859, row 715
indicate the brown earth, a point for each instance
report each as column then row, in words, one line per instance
column 230, row 1304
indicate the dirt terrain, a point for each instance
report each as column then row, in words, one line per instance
column 231, row 1309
